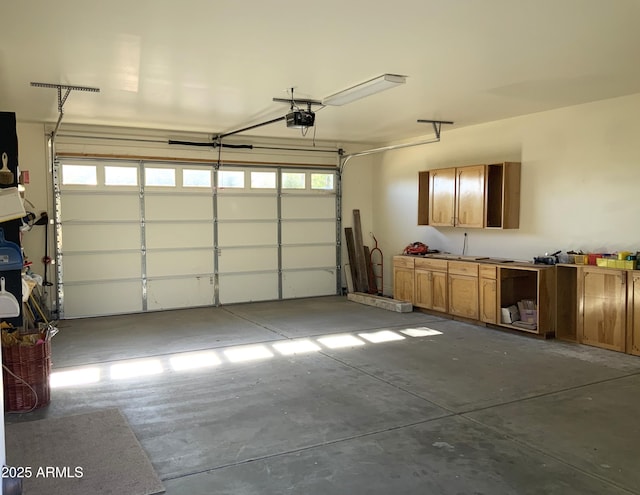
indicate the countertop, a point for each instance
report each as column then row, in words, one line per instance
column 480, row 259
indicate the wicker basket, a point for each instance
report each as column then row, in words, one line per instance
column 32, row 364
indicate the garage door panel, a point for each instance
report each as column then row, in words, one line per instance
column 247, row 233
column 178, row 207
column 244, row 260
column 100, row 207
column 297, row 232
column 98, row 237
column 179, row 235
column 308, row 283
column 179, row 262
column 248, row 287
column 176, row 293
column 99, row 266
column 105, row 298
column 247, row 207
column 308, row 256
column 175, row 252
column 309, row 207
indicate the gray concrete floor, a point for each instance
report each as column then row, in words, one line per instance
column 472, row 410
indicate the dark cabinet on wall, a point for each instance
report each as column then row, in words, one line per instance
column 11, row 228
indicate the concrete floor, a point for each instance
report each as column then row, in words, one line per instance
column 469, row 411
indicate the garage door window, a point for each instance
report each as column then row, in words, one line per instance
column 163, row 177
column 293, row 180
column 83, row 175
column 263, row 180
column 231, row 178
column 322, row 182
column 196, row 178
column 120, row 176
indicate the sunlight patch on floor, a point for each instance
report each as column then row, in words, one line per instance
column 381, row 336
column 204, row 359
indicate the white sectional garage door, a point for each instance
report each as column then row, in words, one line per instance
column 144, row 236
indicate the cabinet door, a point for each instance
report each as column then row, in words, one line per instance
column 604, row 308
column 442, row 190
column 431, row 290
column 439, row 291
column 424, row 289
column 633, row 310
column 463, row 296
column 403, row 284
column 470, row 192
column 488, row 300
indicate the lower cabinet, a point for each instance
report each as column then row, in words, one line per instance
column 488, row 298
column 403, row 279
column 477, row 291
column 431, row 284
column 633, row 314
column 602, row 314
column 463, row 289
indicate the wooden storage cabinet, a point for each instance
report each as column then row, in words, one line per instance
column 403, row 278
column 470, row 197
column 431, row 284
column 442, row 197
column 463, row 289
column 566, row 303
column 602, row 307
column 476, row 196
column 488, row 294
column 536, row 283
column 502, row 203
column 633, row 313
column 599, row 307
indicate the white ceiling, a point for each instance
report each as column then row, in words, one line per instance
column 215, row 65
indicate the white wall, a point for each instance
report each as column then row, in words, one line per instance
column 580, row 183
column 32, row 157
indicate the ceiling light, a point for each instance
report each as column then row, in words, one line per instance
column 367, row 88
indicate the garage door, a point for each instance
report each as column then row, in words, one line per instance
column 146, row 236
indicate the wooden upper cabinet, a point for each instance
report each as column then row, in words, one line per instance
column 476, row 196
column 502, row 204
column 470, row 195
column 442, row 197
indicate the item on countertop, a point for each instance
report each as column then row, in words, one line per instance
column 416, row 248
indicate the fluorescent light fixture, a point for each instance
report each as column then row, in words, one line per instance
column 367, row 88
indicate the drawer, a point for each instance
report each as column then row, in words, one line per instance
column 431, row 264
column 403, row 261
column 488, row 271
column 463, row 268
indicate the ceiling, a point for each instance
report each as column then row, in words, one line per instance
column 215, row 66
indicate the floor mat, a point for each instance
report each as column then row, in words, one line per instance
column 95, row 453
